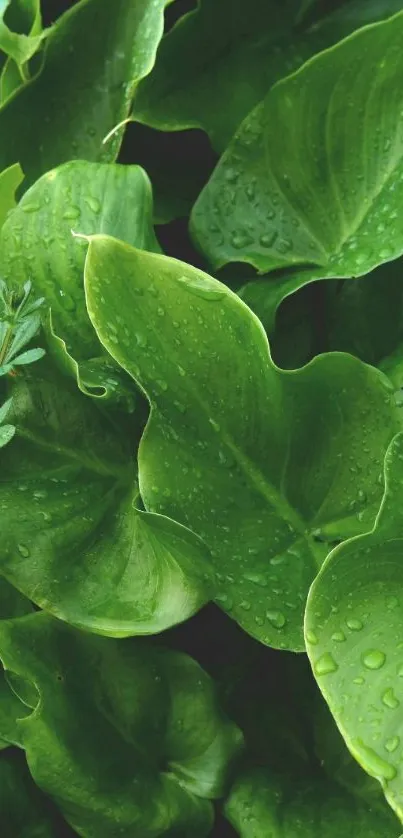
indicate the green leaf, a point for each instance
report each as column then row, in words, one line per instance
column 127, row 738
column 12, row 604
column 20, row 47
column 96, row 53
column 262, row 464
column 10, row 180
column 308, row 180
column 353, row 634
column 217, row 63
column 265, row 805
column 90, row 198
column 24, row 811
column 72, row 538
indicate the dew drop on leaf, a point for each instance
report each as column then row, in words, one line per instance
column 325, row 665
column 338, row 636
column 373, row 659
column 354, row 625
column 392, row 744
column 389, row 699
column 203, row 287
column 23, row 550
column 372, row 762
column 276, row 618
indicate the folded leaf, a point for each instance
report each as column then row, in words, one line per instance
column 307, row 179
column 127, row 738
column 17, row 44
column 353, row 632
column 217, row 63
column 96, row 52
column 261, row 463
column 72, row 539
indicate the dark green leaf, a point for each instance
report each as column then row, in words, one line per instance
column 128, row 738
column 96, row 53
column 218, row 62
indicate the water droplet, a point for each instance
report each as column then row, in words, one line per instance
column 276, row 618
column 241, row 239
column 203, row 286
column 257, row 579
column 389, row 699
column 325, row 665
column 360, row 680
column 268, row 239
column 72, row 213
column 245, row 605
column 373, row 659
column 372, row 762
column 30, row 207
column 259, row 620
column 311, row 637
column 93, row 204
column 160, row 311
column 338, row 636
column 392, row 744
column 354, row 625
column 391, row 603
column 23, row 550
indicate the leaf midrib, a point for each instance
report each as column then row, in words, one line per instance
column 79, row 457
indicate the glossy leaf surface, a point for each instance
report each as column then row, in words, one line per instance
column 10, row 179
column 353, row 633
column 307, row 179
column 72, row 538
column 262, row 464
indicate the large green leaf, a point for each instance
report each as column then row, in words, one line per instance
column 24, row 811
column 95, row 54
column 127, row 737
column 72, row 537
column 353, row 631
column 218, row 62
column 37, row 243
column 266, row 805
column 315, row 175
column 10, row 180
column 261, row 463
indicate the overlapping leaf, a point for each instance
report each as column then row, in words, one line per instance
column 37, row 243
column 127, row 737
column 262, row 464
column 314, row 175
column 353, row 631
column 218, row 62
column 96, row 52
column 72, row 537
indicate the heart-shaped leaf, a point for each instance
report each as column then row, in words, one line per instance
column 353, row 632
column 262, row 464
column 96, row 52
column 72, row 538
column 314, row 174
column 127, row 737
